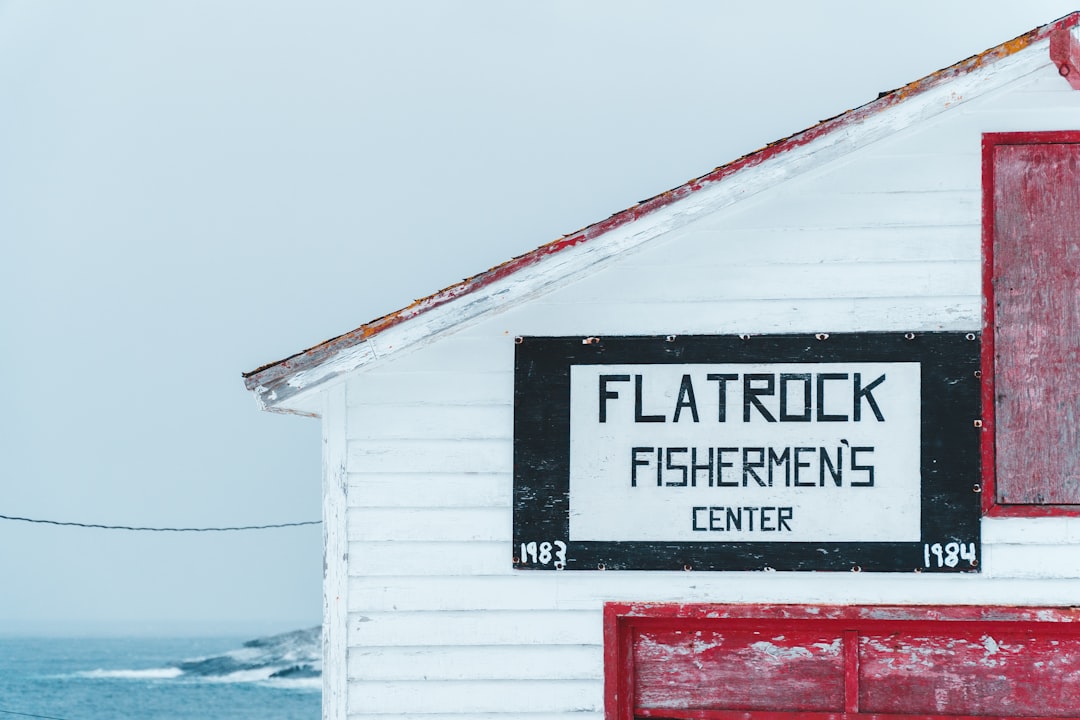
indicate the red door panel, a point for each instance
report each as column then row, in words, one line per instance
column 984, row 673
column 711, row 668
column 753, row 662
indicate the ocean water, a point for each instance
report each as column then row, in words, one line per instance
column 273, row 678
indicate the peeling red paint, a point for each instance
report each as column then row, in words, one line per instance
column 1034, row 478
column 273, row 373
column 1065, row 52
column 766, row 662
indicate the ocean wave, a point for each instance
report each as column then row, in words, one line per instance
column 295, row 655
column 291, row 660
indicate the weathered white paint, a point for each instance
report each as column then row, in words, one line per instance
column 767, row 281
column 469, row 388
column 519, row 628
column 584, row 591
column 335, row 555
column 1031, row 531
column 460, row 557
column 469, row 697
column 397, row 422
column 875, row 227
column 428, row 523
column 800, row 315
column 435, row 456
column 453, row 490
column 1050, row 560
column 495, row 662
column 848, row 246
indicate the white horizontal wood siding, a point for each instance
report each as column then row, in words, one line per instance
column 885, row 238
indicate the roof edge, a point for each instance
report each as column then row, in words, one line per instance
column 272, row 374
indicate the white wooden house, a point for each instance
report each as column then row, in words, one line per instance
column 490, row 552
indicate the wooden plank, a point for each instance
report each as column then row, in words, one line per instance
column 480, row 662
column 618, row 666
column 955, row 134
column 808, row 246
column 851, row 670
column 449, row 388
column 460, row 352
column 430, row 524
column 335, row 557
column 1047, row 79
column 1050, row 120
column 880, row 173
column 1054, row 100
column 953, row 312
column 467, row 697
column 1031, row 531
column 587, row 591
column 430, row 456
column 476, row 627
column 1043, row 114
column 419, row 558
column 431, row 422
column 445, row 490
column 1035, row 561
column 1036, row 290
column 511, row 592
column 989, row 673
column 940, row 208
column 788, row 671
column 769, row 281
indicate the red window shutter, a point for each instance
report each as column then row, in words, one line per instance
column 1034, row 302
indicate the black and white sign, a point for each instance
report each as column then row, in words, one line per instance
column 734, row 453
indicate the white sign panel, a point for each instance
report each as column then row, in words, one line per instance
column 745, row 452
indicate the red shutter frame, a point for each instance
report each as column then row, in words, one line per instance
column 991, row 507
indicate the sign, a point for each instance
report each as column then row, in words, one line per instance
column 841, row 452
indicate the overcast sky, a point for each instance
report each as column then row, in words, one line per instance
column 192, row 189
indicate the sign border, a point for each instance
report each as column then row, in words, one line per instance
column 950, row 459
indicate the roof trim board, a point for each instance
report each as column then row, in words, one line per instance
column 277, row 385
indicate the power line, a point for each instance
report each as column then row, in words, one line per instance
column 160, row 529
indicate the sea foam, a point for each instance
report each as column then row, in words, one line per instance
column 149, row 674
column 291, row 660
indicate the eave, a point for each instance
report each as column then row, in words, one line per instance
column 279, row 385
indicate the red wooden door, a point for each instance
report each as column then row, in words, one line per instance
column 716, row 662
